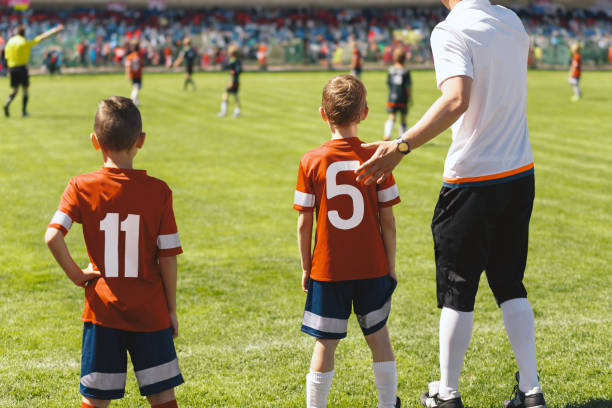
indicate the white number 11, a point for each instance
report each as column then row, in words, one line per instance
column 131, row 226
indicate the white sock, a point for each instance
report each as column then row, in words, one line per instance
column 389, row 124
column 236, row 111
column 576, row 90
column 520, row 326
column 455, row 335
column 223, row 108
column 134, row 96
column 385, row 378
column 402, row 129
column 317, row 388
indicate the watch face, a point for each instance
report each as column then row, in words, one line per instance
column 402, row 147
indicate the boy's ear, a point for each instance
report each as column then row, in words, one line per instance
column 141, row 139
column 323, row 114
column 365, row 113
column 94, row 141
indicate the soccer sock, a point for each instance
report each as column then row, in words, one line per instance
column 10, row 99
column 385, row 378
column 24, row 103
column 520, row 326
column 134, row 96
column 455, row 335
column 317, row 388
column 576, row 90
column 403, row 128
column 86, row 405
column 236, row 111
column 169, row 404
column 389, row 127
column 223, row 108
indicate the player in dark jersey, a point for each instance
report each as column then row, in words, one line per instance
column 189, row 55
column 400, row 93
column 235, row 69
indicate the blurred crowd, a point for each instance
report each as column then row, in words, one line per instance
column 99, row 37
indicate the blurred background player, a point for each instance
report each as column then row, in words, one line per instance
column 234, row 67
column 353, row 264
column 52, row 60
column 17, row 54
column 400, row 93
column 133, row 70
column 575, row 71
column 262, row 56
column 356, row 61
column 189, row 55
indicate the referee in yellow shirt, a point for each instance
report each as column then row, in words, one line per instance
column 17, row 53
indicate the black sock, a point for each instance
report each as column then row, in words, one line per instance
column 10, row 99
column 25, row 103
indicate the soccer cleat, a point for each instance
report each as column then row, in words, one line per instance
column 236, row 114
column 398, row 403
column 6, row 111
column 431, row 399
column 25, row 114
column 221, row 114
column 520, row 400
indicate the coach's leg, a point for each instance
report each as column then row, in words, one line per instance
column 94, row 403
column 455, row 335
column 385, row 370
column 319, row 379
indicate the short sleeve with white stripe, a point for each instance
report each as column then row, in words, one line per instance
column 168, row 242
column 387, row 192
column 452, row 57
column 304, row 197
column 68, row 211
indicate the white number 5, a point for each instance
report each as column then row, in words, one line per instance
column 110, row 226
column 334, row 190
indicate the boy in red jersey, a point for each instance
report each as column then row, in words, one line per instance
column 130, row 284
column 353, row 264
column 575, row 72
column 133, row 70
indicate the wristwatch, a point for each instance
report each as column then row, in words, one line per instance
column 402, row 146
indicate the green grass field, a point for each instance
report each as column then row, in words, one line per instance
column 239, row 296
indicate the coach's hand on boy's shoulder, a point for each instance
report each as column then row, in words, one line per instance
column 174, row 324
column 381, row 164
column 305, row 279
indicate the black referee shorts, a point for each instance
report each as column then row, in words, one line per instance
column 482, row 228
column 19, row 76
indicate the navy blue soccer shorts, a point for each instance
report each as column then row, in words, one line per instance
column 104, row 361
column 329, row 304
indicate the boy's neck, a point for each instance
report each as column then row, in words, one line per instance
column 398, row 65
column 344, row 132
column 118, row 160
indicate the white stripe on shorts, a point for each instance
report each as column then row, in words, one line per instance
column 373, row 318
column 324, row 324
column 303, row 199
column 168, row 241
column 388, row 194
column 104, row 381
column 62, row 219
column 158, row 373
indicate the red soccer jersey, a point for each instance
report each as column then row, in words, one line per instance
column 128, row 223
column 348, row 243
column 576, row 66
column 134, row 62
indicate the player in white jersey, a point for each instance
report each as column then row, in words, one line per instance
column 481, row 221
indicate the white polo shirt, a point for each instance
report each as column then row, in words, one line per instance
column 491, row 139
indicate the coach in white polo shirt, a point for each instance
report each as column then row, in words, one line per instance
column 481, row 221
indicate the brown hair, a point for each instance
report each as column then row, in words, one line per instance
column 117, row 123
column 399, row 56
column 344, row 100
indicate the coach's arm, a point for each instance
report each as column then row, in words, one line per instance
column 445, row 111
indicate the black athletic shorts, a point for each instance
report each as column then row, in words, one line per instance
column 137, row 81
column 19, row 76
column 232, row 88
column 482, row 228
column 190, row 69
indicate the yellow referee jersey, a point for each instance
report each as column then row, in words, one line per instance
column 17, row 50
